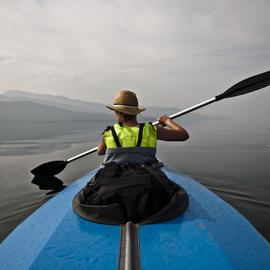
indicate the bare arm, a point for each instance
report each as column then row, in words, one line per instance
column 174, row 133
column 101, row 147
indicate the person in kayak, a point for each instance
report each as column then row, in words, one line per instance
column 130, row 186
column 131, row 142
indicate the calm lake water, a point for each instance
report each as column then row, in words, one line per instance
column 234, row 166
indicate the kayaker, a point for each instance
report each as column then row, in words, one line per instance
column 128, row 141
column 130, row 186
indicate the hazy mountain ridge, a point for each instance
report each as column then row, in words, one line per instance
column 5, row 98
column 56, row 101
column 28, row 111
column 76, row 104
column 24, row 106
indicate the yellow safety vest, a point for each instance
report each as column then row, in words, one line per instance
column 128, row 136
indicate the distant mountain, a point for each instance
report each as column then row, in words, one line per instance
column 5, row 98
column 29, row 106
column 56, row 101
column 28, row 111
column 75, row 104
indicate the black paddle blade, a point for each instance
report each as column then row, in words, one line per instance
column 49, row 168
column 246, row 86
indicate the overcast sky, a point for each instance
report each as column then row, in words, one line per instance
column 170, row 52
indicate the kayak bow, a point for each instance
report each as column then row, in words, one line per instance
column 209, row 235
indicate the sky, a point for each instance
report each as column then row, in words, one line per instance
column 171, row 53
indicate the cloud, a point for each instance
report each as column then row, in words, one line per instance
column 90, row 49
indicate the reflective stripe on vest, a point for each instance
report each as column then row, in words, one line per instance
column 128, row 136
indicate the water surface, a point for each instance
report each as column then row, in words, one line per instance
column 234, row 166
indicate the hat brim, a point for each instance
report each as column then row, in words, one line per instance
column 130, row 110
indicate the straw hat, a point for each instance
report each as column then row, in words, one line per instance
column 126, row 102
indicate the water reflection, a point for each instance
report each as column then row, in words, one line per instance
column 51, row 183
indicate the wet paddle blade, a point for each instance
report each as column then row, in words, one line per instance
column 50, row 168
column 247, row 86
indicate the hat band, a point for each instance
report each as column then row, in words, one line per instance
column 123, row 105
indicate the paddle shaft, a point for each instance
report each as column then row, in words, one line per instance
column 173, row 116
column 88, row 152
column 243, row 87
column 190, row 109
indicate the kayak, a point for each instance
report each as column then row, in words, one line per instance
column 210, row 234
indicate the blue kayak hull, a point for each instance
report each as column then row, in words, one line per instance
column 209, row 235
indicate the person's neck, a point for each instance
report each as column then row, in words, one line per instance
column 131, row 123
